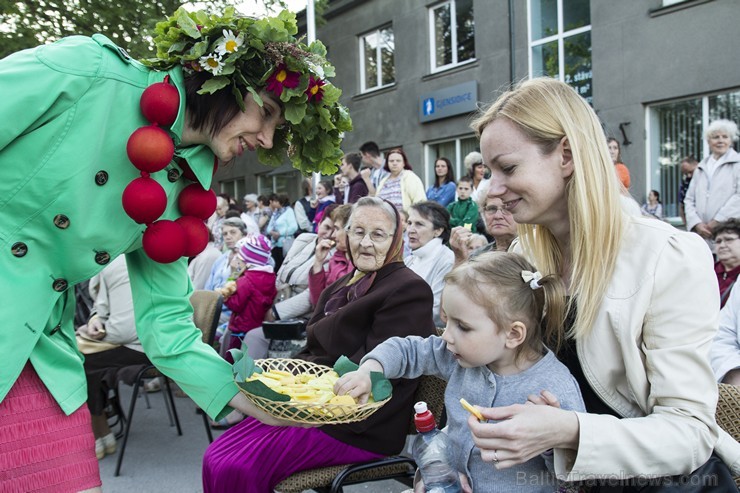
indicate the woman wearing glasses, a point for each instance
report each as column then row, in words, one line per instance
column 380, row 299
column 727, row 268
column 500, row 225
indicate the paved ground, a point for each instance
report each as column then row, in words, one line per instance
column 157, row 460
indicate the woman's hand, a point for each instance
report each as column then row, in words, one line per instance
column 323, row 247
column 93, row 330
column 246, row 407
column 275, row 234
column 459, row 243
column 703, row 230
column 521, row 431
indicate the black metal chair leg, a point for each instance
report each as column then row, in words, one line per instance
column 127, row 427
column 208, row 427
column 172, row 404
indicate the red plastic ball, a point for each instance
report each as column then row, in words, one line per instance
column 150, row 148
column 196, row 235
column 144, row 200
column 195, row 201
column 160, row 103
column 164, row 241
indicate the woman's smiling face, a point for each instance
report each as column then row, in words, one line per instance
column 249, row 129
column 531, row 185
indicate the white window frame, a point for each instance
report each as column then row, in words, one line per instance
column 361, row 47
column 652, row 171
column 432, row 38
column 560, row 37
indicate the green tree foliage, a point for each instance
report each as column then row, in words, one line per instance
column 28, row 23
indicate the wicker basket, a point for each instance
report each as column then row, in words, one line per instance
column 306, row 412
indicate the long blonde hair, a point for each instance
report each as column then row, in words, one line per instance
column 547, row 110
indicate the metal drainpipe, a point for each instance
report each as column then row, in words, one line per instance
column 511, row 42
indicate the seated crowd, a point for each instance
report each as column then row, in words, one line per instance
column 369, row 252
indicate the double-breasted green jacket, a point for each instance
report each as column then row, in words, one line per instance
column 66, row 114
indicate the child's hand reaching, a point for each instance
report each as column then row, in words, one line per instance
column 227, row 290
column 546, row 398
column 357, row 384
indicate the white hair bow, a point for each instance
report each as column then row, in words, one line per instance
column 532, row 278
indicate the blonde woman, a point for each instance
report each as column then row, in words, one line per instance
column 642, row 304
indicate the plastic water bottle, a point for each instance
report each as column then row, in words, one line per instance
column 430, row 451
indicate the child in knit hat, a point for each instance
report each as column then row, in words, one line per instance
column 254, row 290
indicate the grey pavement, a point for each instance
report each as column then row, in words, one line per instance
column 157, row 460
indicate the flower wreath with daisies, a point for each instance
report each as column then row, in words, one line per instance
column 247, row 54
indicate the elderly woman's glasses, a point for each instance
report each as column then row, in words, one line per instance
column 725, row 239
column 375, row 236
column 493, row 209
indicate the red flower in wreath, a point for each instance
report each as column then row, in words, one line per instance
column 281, row 78
column 315, row 91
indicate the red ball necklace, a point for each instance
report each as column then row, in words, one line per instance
column 150, row 149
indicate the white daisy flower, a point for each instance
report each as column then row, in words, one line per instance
column 212, row 63
column 230, row 43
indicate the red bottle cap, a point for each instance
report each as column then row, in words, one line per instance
column 423, row 419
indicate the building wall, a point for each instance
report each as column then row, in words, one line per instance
column 640, row 55
column 639, row 59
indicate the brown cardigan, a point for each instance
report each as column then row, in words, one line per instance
column 399, row 303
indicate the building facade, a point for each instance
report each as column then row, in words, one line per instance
column 414, row 71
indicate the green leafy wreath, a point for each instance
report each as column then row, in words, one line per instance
column 247, row 54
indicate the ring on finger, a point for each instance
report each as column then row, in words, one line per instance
column 495, row 457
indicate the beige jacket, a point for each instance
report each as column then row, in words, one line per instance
column 647, row 358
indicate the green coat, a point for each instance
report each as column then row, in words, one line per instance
column 463, row 212
column 68, row 111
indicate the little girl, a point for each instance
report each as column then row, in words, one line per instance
column 491, row 354
column 252, row 294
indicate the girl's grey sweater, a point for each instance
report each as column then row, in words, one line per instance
column 410, row 357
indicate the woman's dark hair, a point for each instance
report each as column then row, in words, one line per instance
column 657, row 195
column 328, row 186
column 263, row 200
column 406, row 164
column 328, row 210
column 282, row 198
column 437, row 215
column 449, row 178
column 729, row 226
column 208, row 112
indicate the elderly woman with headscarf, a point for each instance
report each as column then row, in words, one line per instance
column 380, row 299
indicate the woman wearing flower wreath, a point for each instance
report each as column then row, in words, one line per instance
column 101, row 155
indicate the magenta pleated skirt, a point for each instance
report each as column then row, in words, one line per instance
column 253, row 457
column 41, row 448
